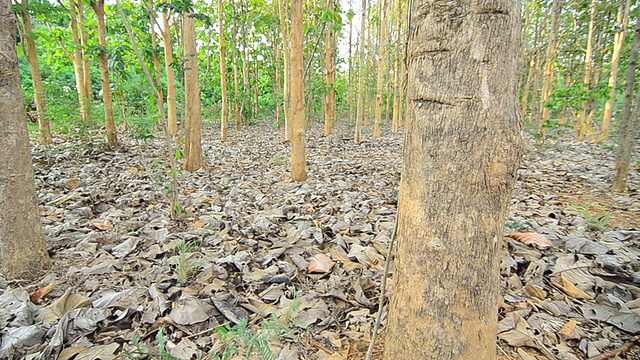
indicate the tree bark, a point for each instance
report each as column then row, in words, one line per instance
column 397, row 101
column 379, row 80
column 77, row 64
column 298, row 161
column 223, row 75
column 193, row 113
column 349, row 96
column 236, row 79
column 154, row 46
column 628, row 119
column 330, row 77
column 360, row 104
column 34, row 66
column 86, row 69
column 583, row 125
column 23, row 253
column 463, row 143
column 547, row 87
column 112, row 137
column 618, row 41
column 286, row 50
column 172, row 116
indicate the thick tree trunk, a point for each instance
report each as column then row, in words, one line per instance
column 361, row 71
column 463, row 143
column 223, row 75
column 583, row 125
column 23, row 253
column 77, row 64
column 193, row 113
column 379, row 79
column 298, row 161
column 112, row 137
column 618, row 41
column 547, row 87
column 628, row 119
column 172, row 116
column 330, row 78
column 34, row 66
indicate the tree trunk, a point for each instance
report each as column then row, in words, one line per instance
column 86, row 69
column 379, row 79
column 277, row 90
column 628, row 119
column 463, row 143
column 34, row 66
column 23, row 253
column 360, row 103
column 223, row 75
column 112, row 137
column 618, row 41
column 396, row 70
column 588, row 66
column 547, row 88
column 77, row 64
column 330, row 80
column 172, row 116
column 286, row 50
column 245, row 63
column 236, row 79
column 298, row 161
column 349, row 96
column 193, row 113
column 154, row 46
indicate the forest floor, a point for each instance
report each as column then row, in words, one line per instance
column 297, row 266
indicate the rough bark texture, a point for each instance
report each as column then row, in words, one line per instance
column 193, row 124
column 34, row 67
column 628, row 119
column 462, row 147
column 298, row 162
column 23, row 252
column 223, row 76
column 381, row 56
column 360, row 104
column 112, row 137
column 172, row 116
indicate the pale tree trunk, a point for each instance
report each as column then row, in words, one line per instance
column 172, row 116
column 547, row 87
column 34, row 66
column 277, row 90
column 349, row 96
column 23, row 253
column 86, row 70
column 154, row 46
column 396, row 71
column 236, row 79
column 223, row 75
column 368, row 65
column 112, row 137
column 588, row 66
column 77, row 64
column 618, row 41
column 330, row 79
column 256, row 84
column 298, row 161
column 245, row 63
column 286, row 50
column 463, row 143
column 361, row 72
column 379, row 79
column 628, row 119
column 193, row 115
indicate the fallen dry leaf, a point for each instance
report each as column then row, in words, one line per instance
column 570, row 331
column 320, row 264
column 104, row 226
column 569, row 288
column 41, row 292
column 531, row 238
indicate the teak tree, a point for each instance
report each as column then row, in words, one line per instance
column 298, row 161
column 381, row 59
column 22, row 248
column 360, row 102
column 223, row 75
column 462, row 147
column 172, row 116
column 193, row 118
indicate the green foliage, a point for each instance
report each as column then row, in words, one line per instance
column 596, row 218
column 140, row 352
column 183, row 267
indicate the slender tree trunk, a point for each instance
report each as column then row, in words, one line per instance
column 86, row 69
column 193, row 115
column 379, row 79
column 298, row 161
column 463, row 143
column 350, row 97
column 547, row 88
column 172, row 115
column 245, row 63
column 588, row 66
column 396, row 70
column 77, row 64
column 34, row 66
column 330, row 80
column 112, row 137
column 628, row 119
column 361, row 72
column 284, row 31
column 618, row 41
column 277, row 90
column 154, row 46
column 23, row 253
column 256, row 84
column 236, row 78
column 223, row 75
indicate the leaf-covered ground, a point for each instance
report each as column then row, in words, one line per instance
column 257, row 266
